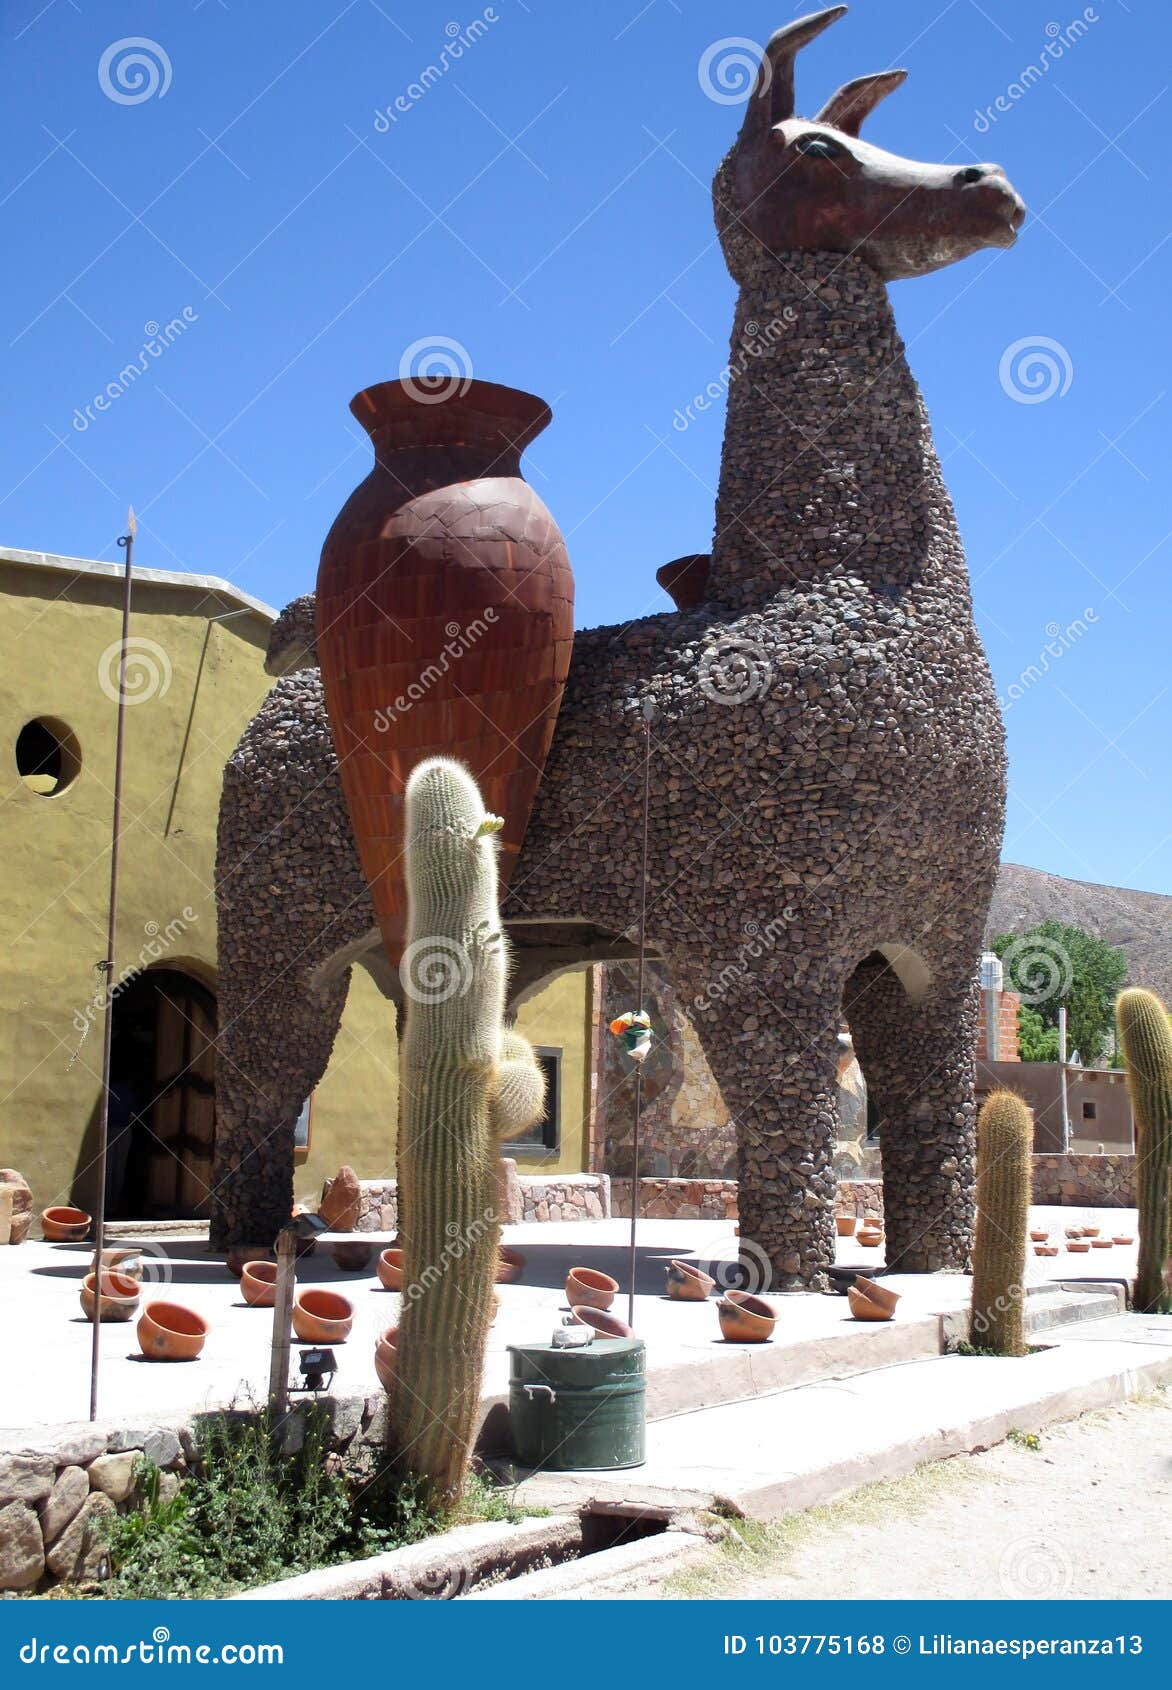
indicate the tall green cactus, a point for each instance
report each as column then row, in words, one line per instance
column 1005, row 1142
column 1146, row 1037
column 453, row 974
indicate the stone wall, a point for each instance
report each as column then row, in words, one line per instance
column 1106, row 1182
column 58, row 1484
column 678, row 1199
column 525, row 1197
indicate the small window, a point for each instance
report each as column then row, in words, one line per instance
column 47, row 756
column 545, row 1134
column 1090, row 1111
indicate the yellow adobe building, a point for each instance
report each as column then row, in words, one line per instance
column 194, row 678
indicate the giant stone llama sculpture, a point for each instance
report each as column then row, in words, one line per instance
column 826, row 812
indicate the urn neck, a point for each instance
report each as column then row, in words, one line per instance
column 479, row 427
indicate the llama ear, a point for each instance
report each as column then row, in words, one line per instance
column 855, row 101
column 772, row 99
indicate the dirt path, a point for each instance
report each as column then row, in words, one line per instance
column 1083, row 1515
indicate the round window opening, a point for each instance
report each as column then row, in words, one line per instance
column 47, row 756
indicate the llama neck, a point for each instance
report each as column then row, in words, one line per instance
column 828, row 466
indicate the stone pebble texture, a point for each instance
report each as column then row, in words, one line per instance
column 826, row 806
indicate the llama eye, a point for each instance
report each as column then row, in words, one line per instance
column 818, row 146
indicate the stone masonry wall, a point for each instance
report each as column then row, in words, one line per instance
column 560, row 1197
column 1106, row 1182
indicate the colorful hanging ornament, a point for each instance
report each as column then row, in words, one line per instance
column 634, row 1028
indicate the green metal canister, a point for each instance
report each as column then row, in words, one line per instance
column 578, row 1409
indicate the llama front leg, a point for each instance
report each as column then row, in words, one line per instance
column 271, row 1052
column 772, row 1045
column 917, row 1060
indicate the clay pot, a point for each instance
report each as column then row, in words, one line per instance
column 845, row 1225
column 118, row 1299
column 1039, row 1237
column 390, row 1270
column 1046, row 1250
column 1090, row 1232
column 443, row 549
column 881, row 1295
column 1079, row 1246
column 384, row 1356
column 237, row 1258
column 322, row 1317
column 1101, row 1243
column 1074, row 1232
column 687, row 1284
column 605, row 1324
column 258, row 1284
column 863, row 1308
column 352, row 1258
column 869, row 1237
column 64, row 1225
column 586, row 1288
column 1123, row 1238
column 127, row 1262
column 170, row 1332
column 745, row 1318
column 510, row 1265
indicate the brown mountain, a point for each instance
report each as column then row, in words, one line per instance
column 1139, row 923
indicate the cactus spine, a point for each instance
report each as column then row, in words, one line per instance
column 1146, row 1038
column 1005, row 1141
column 453, row 974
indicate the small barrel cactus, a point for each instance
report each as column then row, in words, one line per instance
column 518, row 1097
column 1146, row 1038
column 1005, row 1142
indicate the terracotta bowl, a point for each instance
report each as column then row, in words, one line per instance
column 745, row 1318
column 1101, row 1243
column 845, row 1225
column 1039, row 1237
column 390, row 1270
column 586, row 1288
column 118, row 1300
column 1074, row 1232
column 127, row 1262
column 863, row 1308
column 322, row 1317
column 1123, row 1238
column 169, row 1332
column 63, row 1225
column 258, row 1284
column 509, row 1266
column 687, row 1284
column 352, row 1258
column 869, row 1238
column 606, row 1325
column 881, row 1295
column 1046, row 1250
column 1090, row 1232
column 1079, row 1246
column 384, row 1356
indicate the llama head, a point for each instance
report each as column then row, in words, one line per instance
column 797, row 185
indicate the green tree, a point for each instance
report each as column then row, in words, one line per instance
column 1035, row 1041
column 1053, row 964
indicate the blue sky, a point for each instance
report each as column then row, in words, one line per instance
column 543, row 203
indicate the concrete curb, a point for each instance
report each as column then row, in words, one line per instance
column 612, row 1572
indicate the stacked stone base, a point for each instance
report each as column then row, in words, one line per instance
column 524, row 1197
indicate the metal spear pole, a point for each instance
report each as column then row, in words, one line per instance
column 648, row 713
column 126, row 541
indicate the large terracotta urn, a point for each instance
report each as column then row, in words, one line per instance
column 444, row 617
